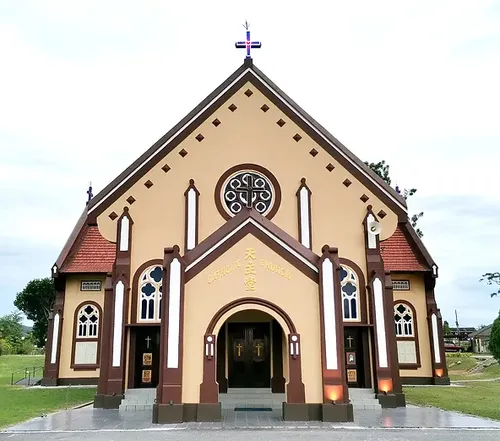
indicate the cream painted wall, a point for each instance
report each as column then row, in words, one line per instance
column 72, row 299
column 416, row 296
column 247, row 135
column 298, row 296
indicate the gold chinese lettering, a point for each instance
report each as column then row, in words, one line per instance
column 250, row 254
column 250, row 269
column 250, row 283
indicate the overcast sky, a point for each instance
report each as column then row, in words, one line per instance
column 87, row 86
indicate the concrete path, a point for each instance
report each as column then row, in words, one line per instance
column 99, row 420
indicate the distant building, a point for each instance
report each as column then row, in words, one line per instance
column 481, row 339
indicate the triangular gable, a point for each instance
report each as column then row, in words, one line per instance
column 246, row 73
column 251, row 222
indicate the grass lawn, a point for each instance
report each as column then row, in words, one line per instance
column 20, row 404
column 481, row 398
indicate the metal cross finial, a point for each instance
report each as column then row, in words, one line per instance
column 89, row 192
column 248, row 43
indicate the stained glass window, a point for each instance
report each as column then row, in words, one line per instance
column 150, row 294
column 350, row 294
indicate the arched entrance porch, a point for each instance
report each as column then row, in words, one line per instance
column 252, row 357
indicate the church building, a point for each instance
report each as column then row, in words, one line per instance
column 246, row 260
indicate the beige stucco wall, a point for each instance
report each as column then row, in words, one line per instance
column 247, row 135
column 72, row 299
column 416, row 296
column 298, row 296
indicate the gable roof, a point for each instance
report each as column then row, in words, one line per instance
column 405, row 251
column 246, row 73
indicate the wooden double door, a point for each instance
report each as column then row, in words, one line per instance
column 147, row 356
column 249, row 360
column 357, row 356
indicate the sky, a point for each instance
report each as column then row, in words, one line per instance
column 87, row 86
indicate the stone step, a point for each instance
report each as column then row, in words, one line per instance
column 376, row 406
column 137, row 407
column 245, row 391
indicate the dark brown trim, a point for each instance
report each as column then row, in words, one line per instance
column 186, row 219
column 278, row 380
column 94, row 366
column 135, row 292
column 295, row 391
column 415, row 337
column 209, row 389
column 299, row 211
column 334, row 380
column 84, row 381
column 362, row 292
column 51, row 371
column 250, row 301
column 169, row 388
column 131, row 357
column 212, row 102
column 249, row 167
column 250, row 228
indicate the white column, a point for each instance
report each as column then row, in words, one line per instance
column 55, row 339
column 174, row 309
column 435, row 339
column 192, row 209
column 124, row 233
column 380, row 323
column 305, row 222
column 118, row 324
column 328, row 288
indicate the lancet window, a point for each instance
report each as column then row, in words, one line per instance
column 150, row 294
column 349, row 283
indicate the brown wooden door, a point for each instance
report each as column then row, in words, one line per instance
column 249, row 355
column 147, row 356
column 354, row 357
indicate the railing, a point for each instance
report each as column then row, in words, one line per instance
column 29, row 373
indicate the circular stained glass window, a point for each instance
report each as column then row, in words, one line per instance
column 248, row 188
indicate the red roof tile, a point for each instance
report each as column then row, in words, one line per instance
column 398, row 254
column 92, row 254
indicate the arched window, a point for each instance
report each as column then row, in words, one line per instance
column 150, row 294
column 405, row 322
column 349, row 283
column 87, row 323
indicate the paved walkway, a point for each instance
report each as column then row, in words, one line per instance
column 89, row 419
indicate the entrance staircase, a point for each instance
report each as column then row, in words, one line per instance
column 363, row 399
column 255, row 398
column 138, row 399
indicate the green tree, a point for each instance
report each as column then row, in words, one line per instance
column 11, row 333
column 494, row 343
column 492, row 279
column 36, row 300
column 446, row 328
column 382, row 169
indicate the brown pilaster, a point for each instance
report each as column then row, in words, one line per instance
column 387, row 380
column 168, row 407
column 52, row 355
column 304, row 211
column 278, row 381
column 192, row 196
column 111, row 383
column 295, row 392
column 435, row 326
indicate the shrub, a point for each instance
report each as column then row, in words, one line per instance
column 494, row 343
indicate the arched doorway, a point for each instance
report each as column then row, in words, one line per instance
column 248, row 360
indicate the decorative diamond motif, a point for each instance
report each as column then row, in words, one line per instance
column 113, row 215
column 347, row 182
column 183, row 153
column 232, row 107
column 130, row 200
column 248, row 93
column 364, row 198
column 148, row 184
column 313, row 152
column 264, row 108
column 297, row 137
column 330, row 167
column 166, row 168
column 280, row 122
column 200, row 137
column 216, row 122
column 381, row 214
